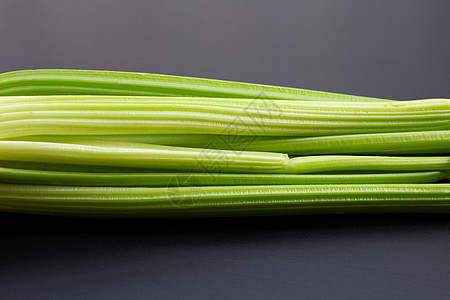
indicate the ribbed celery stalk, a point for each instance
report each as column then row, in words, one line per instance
column 71, row 168
column 88, row 82
column 123, row 154
column 223, row 201
column 420, row 142
column 326, row 163
column 291, row 118
column 135, row 155
column 262, row 106
column 25, row 176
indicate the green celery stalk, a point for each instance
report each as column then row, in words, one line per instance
column 125, row 154
column 420, row 142
column 336, row 163
column 224, row 201
column 71, row 168
column 44, row 177
column 89, row 82
column 292, row 118
column 134, row 155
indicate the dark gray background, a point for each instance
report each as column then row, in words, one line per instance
column 391, row 49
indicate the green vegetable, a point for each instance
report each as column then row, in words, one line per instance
column 420, row 142
column 86, row 82
column 326, row 163
column 71, row 168
column 116, row 144
column 224, row 201
column 96, row 115
column 123, row 154
column 26, row 176
column 135, row 155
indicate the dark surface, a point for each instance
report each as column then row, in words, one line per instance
column 306, row 257
column 391, row 49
